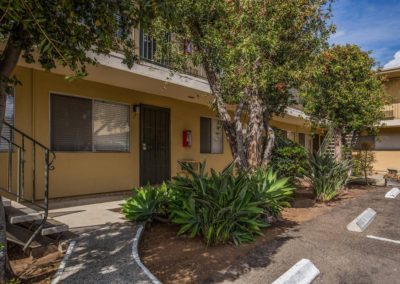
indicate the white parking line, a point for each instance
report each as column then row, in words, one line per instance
column 383, row 239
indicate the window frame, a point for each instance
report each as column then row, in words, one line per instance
column 13, row 124
column 222, row 137
column 92, row 120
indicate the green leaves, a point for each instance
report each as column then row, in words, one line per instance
column 327, row 176
column 146, row 203
column 288, row 158
column 72, row 33
column 226, row 207
column 343, row 90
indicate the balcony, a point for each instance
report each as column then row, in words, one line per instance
column 147, row 53
column 392, row 111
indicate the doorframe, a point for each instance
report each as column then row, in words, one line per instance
column 141, row 120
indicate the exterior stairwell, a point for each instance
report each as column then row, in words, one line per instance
column 328, row 144
column 24, row 187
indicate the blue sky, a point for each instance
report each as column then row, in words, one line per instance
column 372, row 24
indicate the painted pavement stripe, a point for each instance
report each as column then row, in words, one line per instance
column 383, row 239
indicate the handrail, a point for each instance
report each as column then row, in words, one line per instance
column 21, row 173
column 325, row 143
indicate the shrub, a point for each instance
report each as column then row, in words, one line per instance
column 218, row 207
column 274, row 192
column 327, row 176
column 289, row 158
column 227, row 206
column 147, row 202
column 363, row 161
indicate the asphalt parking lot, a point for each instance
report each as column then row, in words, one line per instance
column 340, row 255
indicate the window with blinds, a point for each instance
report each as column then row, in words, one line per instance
column 211, row 136
column 9, row 118
column 79, row 124
column 110, row 127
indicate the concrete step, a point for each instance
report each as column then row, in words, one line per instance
column 50, row 227
column 6, row 201
column 38, row 247
column 22, row 214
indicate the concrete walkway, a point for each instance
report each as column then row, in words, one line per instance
column 103, row 252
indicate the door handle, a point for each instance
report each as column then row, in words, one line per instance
column 144, row 146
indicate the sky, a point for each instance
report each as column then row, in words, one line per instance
column 374, row 25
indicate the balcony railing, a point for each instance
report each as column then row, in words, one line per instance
column 392, row 111
column 147, row 52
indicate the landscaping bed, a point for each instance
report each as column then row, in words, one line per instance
column 33, row 270
column 179, row 259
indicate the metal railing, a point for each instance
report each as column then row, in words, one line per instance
column 392, row 111
column 147, row 52
column 22, row 147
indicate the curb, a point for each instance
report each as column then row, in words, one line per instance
column 57, row 277
column 362, row 221
column 136, row 257
column 303, row 272
column 392, row 194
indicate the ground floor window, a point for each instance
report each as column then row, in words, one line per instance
column 81, row 124
column 211, row 136
column 6, row 132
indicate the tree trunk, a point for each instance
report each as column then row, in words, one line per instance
column 8, row 62
column 338, row 144
column 254, row 133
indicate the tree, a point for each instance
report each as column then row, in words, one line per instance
column 66, row 33
column 345, row 93
column 253, row 53
column 364, row 161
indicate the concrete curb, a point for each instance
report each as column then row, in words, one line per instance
column 136, row 257
column 362, row 221
column 392, row 194
column 57, row 277
column 303, row 272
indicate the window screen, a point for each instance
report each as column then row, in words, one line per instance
column 110, row 127
column 71, row 123
column 79, row 124
column 9, row 118
column 211, row 136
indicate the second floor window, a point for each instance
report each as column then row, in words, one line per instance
column 80, row 124
column 211, row 136
column 6, row 133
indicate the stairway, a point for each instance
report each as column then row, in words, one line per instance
column 328, row 144
column 25, row 192
column 22, row 221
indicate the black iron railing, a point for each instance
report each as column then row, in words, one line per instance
column 148, row 48
column 21, row 147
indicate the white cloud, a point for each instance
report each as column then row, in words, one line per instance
column 338, row 34
column 395, row 62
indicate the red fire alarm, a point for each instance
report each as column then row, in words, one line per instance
column 186, row 138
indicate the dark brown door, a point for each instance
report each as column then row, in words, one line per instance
column 154, row 144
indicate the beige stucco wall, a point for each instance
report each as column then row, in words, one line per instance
column 388, row 158
column 78, row 173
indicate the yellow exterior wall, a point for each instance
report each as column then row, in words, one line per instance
column 78, row 173
column 387, row 158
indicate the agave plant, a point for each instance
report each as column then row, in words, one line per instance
column 147, row 202
column 218, row 207
column 274, row 192
column 327, row 176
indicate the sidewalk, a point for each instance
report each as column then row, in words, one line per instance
column 103, row 252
